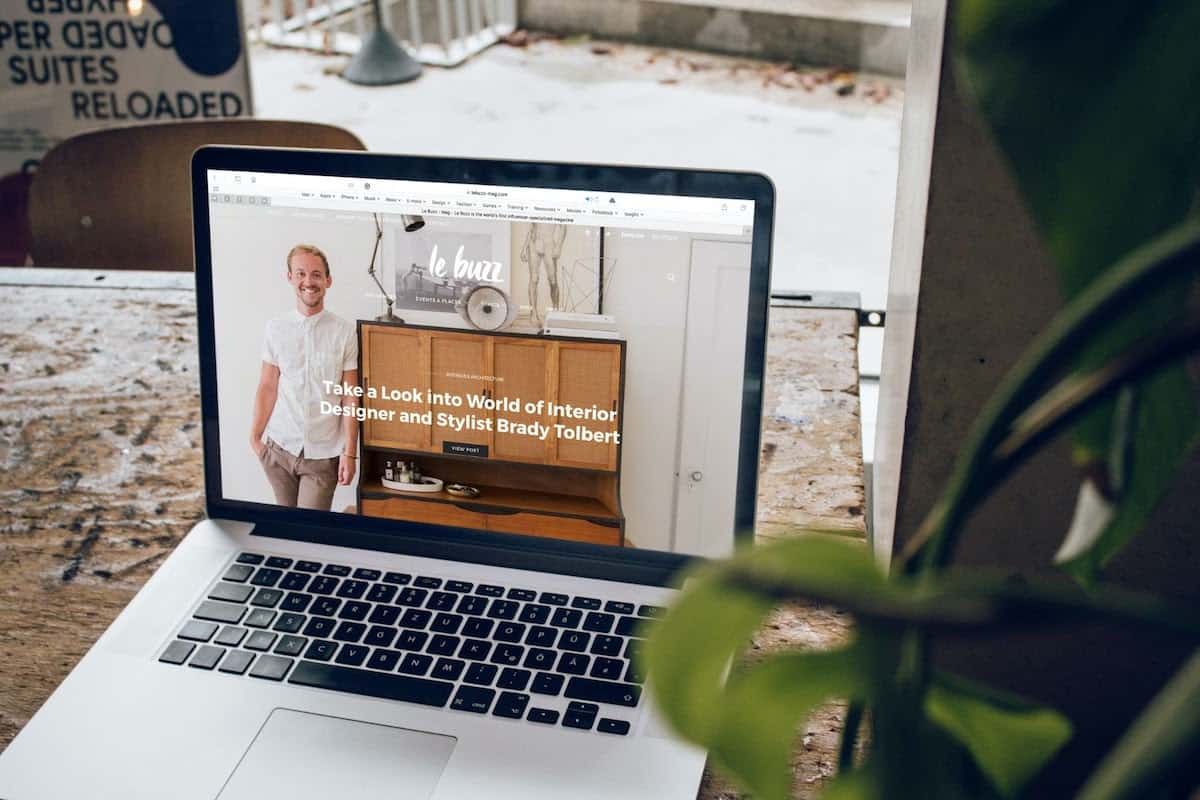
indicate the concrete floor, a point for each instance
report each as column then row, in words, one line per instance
column 833, row 157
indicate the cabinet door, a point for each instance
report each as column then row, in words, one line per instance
column 395, row 360
column 588, row 377
column 458, row 363
column 523, row 376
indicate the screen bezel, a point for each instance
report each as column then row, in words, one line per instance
column 434, row 541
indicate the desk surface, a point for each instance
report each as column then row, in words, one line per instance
column 100, row 442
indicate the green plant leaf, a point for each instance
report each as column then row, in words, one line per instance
column 688, row 653
column 859, row 784
column 763, row 705
column 1157, row 743
column 1102, row 171
column 1009, row 740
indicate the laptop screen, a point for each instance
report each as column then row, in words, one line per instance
column 560, row 364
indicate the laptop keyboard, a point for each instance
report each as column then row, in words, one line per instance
column 477, row 648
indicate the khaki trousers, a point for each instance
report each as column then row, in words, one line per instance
column 300, row 482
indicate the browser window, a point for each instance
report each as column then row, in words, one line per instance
column 541, row 362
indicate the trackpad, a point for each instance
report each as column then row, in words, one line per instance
column 309, row 756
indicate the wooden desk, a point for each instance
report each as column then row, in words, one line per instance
column 100, row 446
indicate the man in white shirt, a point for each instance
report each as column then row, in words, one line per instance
column 306, row 454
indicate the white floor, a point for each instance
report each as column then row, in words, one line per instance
column 832, row 158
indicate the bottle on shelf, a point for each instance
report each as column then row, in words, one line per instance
column 387, row 471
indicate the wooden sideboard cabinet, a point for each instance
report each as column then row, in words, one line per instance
column 565, row 484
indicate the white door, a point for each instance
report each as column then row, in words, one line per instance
column 711, row 405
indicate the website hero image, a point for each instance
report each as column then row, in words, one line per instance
column 542, row 362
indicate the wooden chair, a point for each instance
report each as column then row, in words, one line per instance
column 121, row 198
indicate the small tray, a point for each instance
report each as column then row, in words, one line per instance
column 427, row 484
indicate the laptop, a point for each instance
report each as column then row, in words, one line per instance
column 464, row 421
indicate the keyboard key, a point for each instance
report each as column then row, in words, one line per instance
column 546, row 716
column 448, row 669
column 608, row 669
column 416, row 618
column 472, row 605
column 260, row 618
column 426, row 582
column 349, row 631
column 524, row 595
column 458, row 586
column 508, row 654
column 552, row 599
column 307, row 566
column 573, row 664
column 198, row 631
column 489, row 590
column 290, row 645
column 547, row 683
column 206, row 657
column 473, row 699
column 540, row 658
column 416, row 664
column 442, row 645
column 578, row 719
column 230, row 636
column 261, row 640
column 598, row 623
column 320, row 627
column 337, row 570
column 618, row 694
column 442, row 601
column 634, row 673
column 446, row 623
column 352, row 655
column 541, row 637
column 380, row 636
column 266, row 577
column 481, row 674
column 651, row 611
column 511, row 705
column 271, row 668
column 279, row 562
column 323, row 585
column 239, row 573
column 412, row 640
column 386, row 660
column 384, row 615
column 294, row 581
column 478, row 628
column 614, row 607
column 326, row 606
column 619, row 727
column 515, row 679
column 363, row 574
column 607, row 645
column 289, row 622
column 236, row 662
column 297, row 602
column 411, row 597
column 352, row 589
column 321, row 650
column 372, row 684
column 475, row 649
column 214, row 611
column 503, row 609
column 633, row 649
column 267, row 598
column 575, row 641
column 566, row 618
column 382, row 593
column 535, row 614
column 177, row 652
column 354, row 610
column 397, row 578
column 586, row 603
column 250, row 558
column 509, row 632
column 628, row 626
